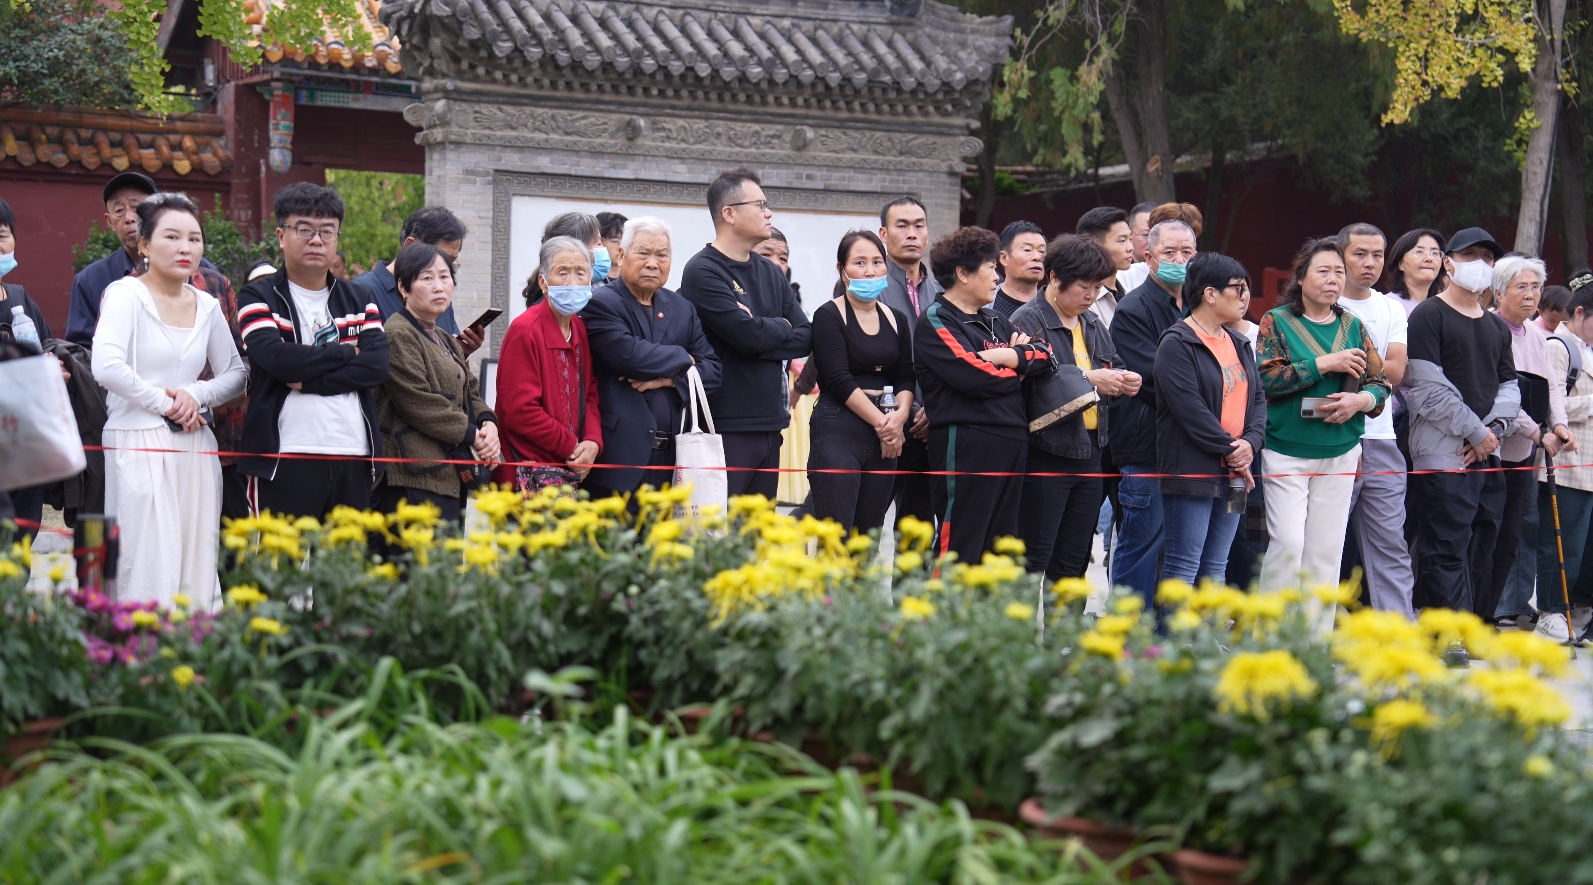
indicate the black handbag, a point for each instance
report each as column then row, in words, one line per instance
column 1054, row 395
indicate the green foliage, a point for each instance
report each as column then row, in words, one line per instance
column 225, row 246
column 148, row 72
column 377, row 204
column 43, row 673
column 497, row 802
column 100, row 243
column 63, row 52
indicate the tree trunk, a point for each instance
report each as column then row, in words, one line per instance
column 1538, row 170
column 1219, row 164
column 1127, row 128
column 1573, row 185
column 1155, row 136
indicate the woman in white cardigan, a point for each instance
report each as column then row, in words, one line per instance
column 156, row 338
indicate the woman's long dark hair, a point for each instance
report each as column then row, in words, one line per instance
column 1402, row 246
column 1294, row 293
column 845, row 251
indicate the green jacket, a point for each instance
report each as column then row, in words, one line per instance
column 1289, row 374
column 424, row 411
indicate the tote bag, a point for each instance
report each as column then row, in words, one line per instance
column 699, row 455
column 38, row 432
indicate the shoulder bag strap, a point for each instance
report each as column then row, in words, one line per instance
column 694, row 392
column 1573, row 367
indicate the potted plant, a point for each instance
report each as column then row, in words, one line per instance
column 44, row 674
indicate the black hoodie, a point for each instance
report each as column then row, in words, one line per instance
column 269, row 324
column 961, row 388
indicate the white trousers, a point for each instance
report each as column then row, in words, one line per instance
column 168, row 509
column 1306, row 517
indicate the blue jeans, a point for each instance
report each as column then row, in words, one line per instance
column 1199, row 532
column 1135, row 563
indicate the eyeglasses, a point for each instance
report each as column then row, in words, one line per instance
column 763, row 205
column 1241, row 288
column 304, row 232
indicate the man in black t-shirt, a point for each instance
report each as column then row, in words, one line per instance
column 1463, row 400
column 754, row 321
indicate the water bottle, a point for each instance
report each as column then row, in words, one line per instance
column 1236, row 493
column 24, row 332
column 887, row 400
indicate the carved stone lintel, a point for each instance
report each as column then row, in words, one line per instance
column 636, row 128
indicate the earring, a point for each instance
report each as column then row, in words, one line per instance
column 144, row 267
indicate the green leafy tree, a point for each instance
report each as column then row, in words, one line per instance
column 225, row 246
column 64, row 52
column 377, row 204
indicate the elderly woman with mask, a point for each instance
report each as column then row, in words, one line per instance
column 1517, row 285
column 645, row 338
column 547, row 386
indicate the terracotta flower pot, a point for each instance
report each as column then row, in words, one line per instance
column 1200, row 868
column 1105, row 842
column 34, row 735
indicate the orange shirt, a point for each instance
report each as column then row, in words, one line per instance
column 1235, row 386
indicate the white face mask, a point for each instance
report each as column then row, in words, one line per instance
column 1473, row 276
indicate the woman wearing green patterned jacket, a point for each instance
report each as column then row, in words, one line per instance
column 1323, row 375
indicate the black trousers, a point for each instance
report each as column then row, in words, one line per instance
column 234, row 493
column 1060, row 513
column 976, row 510
column 1521, row 492
column 1456, row 534
column 753, row 449
column 911, row 491
column 843, row 441
column 312, row 487
column 387, row 498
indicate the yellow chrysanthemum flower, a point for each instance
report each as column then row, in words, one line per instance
column 1129, row 605
column 267, row 625
column 1174, row 592
column 1255, row 683
column 1517, row 693
column 182, row 599
column 1529, row 651
column 1019, row 611
column 145, row 619
column 916, row 609
column 1395, row 717
column 424, row 514
column 183, row 675
column 1070, row 590
column 1010, row 546
column 177, row 616
column 245, row 595
column 1347, row 594
column 1538, row 766
column 914, row 534
column 1103, row 644
column 1442, row 627
column 909, row 561
column 387, row 571
column 1184, row 621
column 1116, row 625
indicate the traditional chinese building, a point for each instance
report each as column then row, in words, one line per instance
column 534, row 107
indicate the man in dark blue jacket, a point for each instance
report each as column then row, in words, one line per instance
column 644, row 338
column 122, row 195
column 1137, row 328
column 434, row 226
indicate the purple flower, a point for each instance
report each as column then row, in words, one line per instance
column 99, row 651
column 122, row 621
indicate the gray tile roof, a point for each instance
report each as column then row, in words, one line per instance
column 895, row 45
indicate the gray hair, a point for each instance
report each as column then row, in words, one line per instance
column 553, row 247
column 1169, row 225
column 645, row 224
column 1506, row 269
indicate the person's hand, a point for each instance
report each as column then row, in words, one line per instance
column 1341, row 407
column 1131, row 382
column 296, row 385
column 920, row 428
column 584, row 454
column 354, row 345
column 486, row 446
column 1000, row 356
column 65, row 375
column 745, row 309
column 1478, row 453
column 1108, row 382
column 1241, row 456
column 1350, row 362
column 1551, row 444
column 1567, row 441
column 184, row 410
column 1019, row 338
column 469, row 338
column 644, row 386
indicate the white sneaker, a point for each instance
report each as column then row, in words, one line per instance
column 1553, row 627
column 1581, row 616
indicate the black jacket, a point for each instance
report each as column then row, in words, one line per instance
column 1069, row 438
column 626, row 345
column 752, row 346
column 1189, row 434
column 1137, row 328
column 961, row 388
column 269, row 324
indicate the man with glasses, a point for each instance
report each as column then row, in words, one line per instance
column 317, row 352
column 122, row 194
column 754, row 321
column 434, row 226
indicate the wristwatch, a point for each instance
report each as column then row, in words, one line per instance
column 1498, row 426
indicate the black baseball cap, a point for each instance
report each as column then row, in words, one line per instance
column 128, row 179
column 1473, row 236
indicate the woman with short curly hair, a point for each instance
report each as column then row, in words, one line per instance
column 970, row 363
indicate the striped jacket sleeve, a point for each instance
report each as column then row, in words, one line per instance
column 955, row 360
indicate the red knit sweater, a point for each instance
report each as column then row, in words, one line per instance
column 537, row 403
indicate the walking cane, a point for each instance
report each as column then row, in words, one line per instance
column 1559, row 549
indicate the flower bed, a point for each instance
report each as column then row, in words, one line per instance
column 1240, row 733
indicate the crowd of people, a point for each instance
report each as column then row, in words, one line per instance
column 1107, row 381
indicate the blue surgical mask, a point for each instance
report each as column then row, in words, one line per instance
column 569, row 300
column 8, row 263
column 600, row 263
column 867, row 289
column 1171, row 273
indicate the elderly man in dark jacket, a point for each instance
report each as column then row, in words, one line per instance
column 644, row 339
